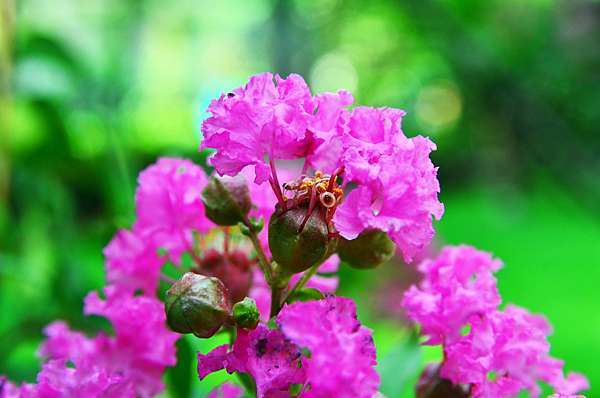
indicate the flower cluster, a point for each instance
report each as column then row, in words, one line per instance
column 278, row 119
column 340, row 360
column 498, row 353
column 256, row 247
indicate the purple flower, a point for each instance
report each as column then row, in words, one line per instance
column 396, row 181
column 457, row 285
column 131, row 263
column 505, row 353
column 342, row 354
column 265, row 119
column 265, row 354
column 57, row 380
column 168, row 205
column 227, row 390
column 499, row 353
column 138, row 353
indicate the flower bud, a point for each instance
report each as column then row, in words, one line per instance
column 197, row 304
column 297, row 250
column 245, row 314
column 369, row 250
column 226, row 199
column 234, row 269
column 431, row 385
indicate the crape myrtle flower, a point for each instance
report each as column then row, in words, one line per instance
column 57, row 380
column 457, row 284
column 507, row 352
column 395, row 183
column 168, row 205
column 265, row 354
column 266, row 119
column 342, row 353
column 128, row 364
column 227, row 390
column 497, row 353
column 319, row 345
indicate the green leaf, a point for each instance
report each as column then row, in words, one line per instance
column 399, row 369
column 180, row 376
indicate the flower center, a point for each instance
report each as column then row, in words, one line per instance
column 320, row 186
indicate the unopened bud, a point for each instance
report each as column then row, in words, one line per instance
column 245, row 313
column 369, row 250
column 234, row 269
column 226, row 199
column 431, row 385
column 298, row 247
column 197, row 304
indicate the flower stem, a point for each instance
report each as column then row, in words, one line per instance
column 263, row 261
column 303, row 280
column 276, row 294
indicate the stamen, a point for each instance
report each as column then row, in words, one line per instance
column 328, row 199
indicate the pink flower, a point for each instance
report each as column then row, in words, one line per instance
column 138, row 353
column 57, row 380
column 505, row 353
column 342, row 354
column 227, row 390
column 457, row 285
column 329, row 126
column 168, row 205
column 131, row 263
column 265, row 119
column 264, row 354
column 397, row 183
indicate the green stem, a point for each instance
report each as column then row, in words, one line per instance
column 276, row 294
column 303, row 280
column 263, row 261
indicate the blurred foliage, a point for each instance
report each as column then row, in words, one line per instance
column 93, row 91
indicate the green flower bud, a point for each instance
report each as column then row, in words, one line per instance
column 294, row 250
column 245, row 313
column 226, row 200
column 197, row 304
column 369, row 250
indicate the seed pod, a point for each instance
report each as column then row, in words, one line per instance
column 226, row 199
column 245, row 314
column 197, row 304
column 294, row 250
column 369, row 250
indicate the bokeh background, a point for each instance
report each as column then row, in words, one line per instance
column 93, row 91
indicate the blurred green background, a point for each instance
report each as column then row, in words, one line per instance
column 93, row 91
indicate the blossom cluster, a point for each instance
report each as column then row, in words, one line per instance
column 328, row 329
column 335, row 184
column 498, row 353
column 272, row 119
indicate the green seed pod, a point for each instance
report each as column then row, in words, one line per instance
column 226, row 200
column 296, row 251
column 245, row 313
column 197, row 304
column 369, row 250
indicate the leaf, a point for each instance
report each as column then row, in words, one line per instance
column 180, row 376
column 399, row 369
